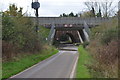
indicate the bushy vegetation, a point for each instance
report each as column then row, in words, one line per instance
column 109, row 35
column 18, row 34
column 104, row 49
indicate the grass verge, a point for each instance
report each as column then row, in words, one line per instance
column 13, row 67
column 84, row 57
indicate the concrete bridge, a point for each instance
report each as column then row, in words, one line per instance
column 75, row 28
column 69, row 20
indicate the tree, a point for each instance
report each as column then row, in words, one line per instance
column 93, row 7
column 13, row 11
column 19, row 30
column 99, row 13
column 65, row 15
column 71, row 14
column 104, row 9
column 87, row 14
column 93, row 12
column 107, row 9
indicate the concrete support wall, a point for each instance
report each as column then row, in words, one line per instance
column 86, row 36
column 81, row 40
column 51, row 35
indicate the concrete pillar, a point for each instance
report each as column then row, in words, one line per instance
column 51, row 35
column 80, row 37
column 86, row 35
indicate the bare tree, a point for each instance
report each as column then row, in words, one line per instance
column 108, row 9
column 104, row 9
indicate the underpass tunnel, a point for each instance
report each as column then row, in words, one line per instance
column 64, row 37
column 67, row 38
column 72, row 37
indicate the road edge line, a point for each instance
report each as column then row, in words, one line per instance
column 74, row 68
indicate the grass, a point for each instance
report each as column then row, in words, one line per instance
column 13, row 67
column 84, row 57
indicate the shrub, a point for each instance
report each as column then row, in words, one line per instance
column 109, row 35
column 8, row 49
column 104, row 49
column 19, row 33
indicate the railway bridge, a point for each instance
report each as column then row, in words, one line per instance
column 74, row 29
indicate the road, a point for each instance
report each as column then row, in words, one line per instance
column 58, row 66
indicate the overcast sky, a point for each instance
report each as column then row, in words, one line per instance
column 49, row 7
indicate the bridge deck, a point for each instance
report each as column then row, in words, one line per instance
column 68, row 28
column 70, row 20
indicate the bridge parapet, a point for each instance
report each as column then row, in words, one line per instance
column 70, row 20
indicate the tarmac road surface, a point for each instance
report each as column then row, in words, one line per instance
column 57, row 66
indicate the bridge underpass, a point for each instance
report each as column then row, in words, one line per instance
column 67, row 34
column 76, row 28
column 73, row 34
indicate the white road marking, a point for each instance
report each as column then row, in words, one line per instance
column 74, row 67
column 49, row 61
